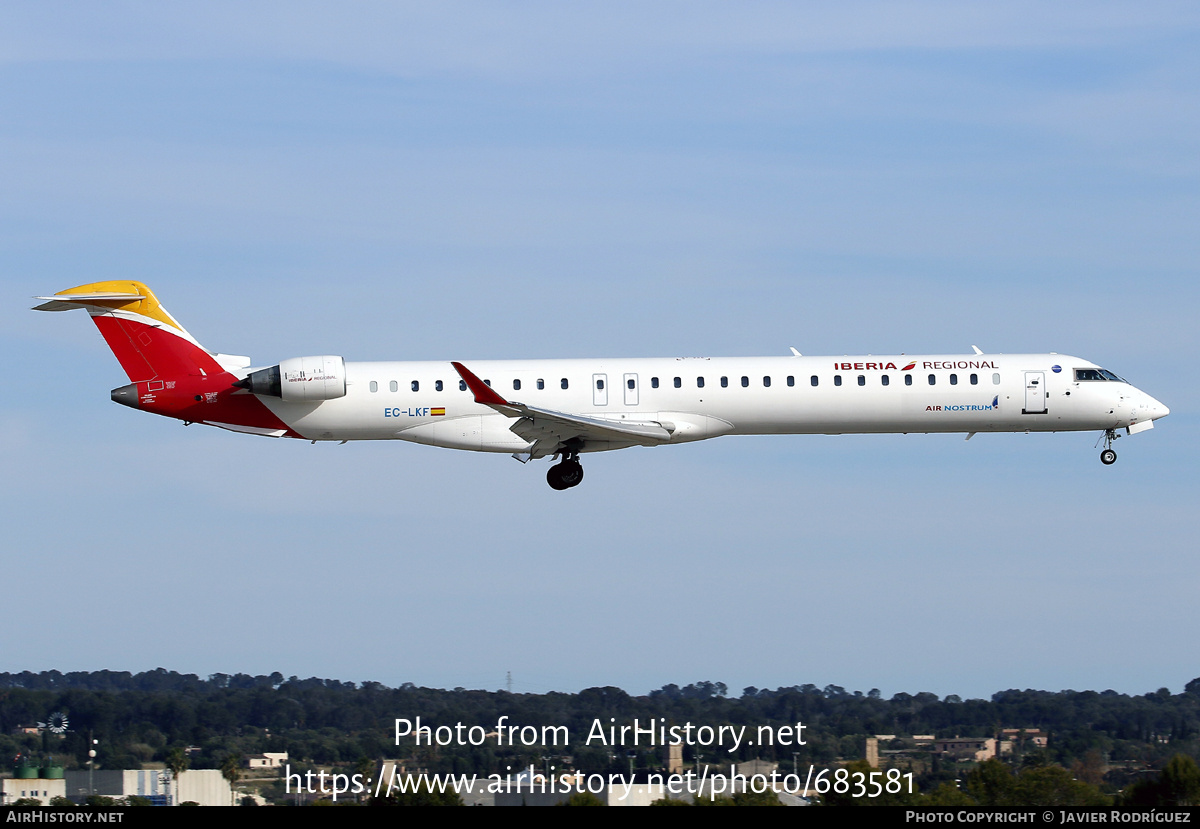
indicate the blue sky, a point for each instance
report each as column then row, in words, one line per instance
column 457, row 181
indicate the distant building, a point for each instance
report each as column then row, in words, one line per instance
column 967, row 748
column 13, row 789
column 204, row 786
column 673, row 758
column 267, row 760
column 1033, row 735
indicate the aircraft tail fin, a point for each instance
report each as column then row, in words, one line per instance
column 147, row 341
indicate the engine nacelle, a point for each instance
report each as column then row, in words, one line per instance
column 300, row 379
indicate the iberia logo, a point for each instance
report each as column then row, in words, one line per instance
column 909, row 367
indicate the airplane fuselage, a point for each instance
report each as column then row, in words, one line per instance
column 564, row 408
column 426, row 402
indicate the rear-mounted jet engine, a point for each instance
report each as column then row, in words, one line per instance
column 300, row 379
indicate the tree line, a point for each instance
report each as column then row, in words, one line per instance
column 142, row 717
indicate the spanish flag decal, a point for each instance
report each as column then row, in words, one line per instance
column 437, row 412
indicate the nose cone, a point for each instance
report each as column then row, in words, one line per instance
column 1154, row 409
column 126, row 395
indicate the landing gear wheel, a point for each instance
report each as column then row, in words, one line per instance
column 572, row 473
column 565, row 475
column 1108, row 457
column 554, row 478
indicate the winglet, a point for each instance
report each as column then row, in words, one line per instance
column 482, row 391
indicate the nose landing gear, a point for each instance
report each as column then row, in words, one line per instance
column 1108, row 457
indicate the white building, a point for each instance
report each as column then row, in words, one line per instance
column 13, row 789
column 205, row 786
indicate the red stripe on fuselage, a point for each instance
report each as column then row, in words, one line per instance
column 213, row 398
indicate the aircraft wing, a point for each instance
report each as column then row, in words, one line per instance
column 548, row 428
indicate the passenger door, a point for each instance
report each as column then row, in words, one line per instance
column 1035, row 392
column 631, row 389
column 600, row 389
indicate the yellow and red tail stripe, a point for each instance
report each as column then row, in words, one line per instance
column 172, row 373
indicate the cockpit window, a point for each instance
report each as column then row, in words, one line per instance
column 1090, row 374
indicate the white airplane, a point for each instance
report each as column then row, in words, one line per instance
column 563, row 408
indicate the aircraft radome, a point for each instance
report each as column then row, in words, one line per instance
column 564, row 408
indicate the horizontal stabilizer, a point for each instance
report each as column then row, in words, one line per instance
column 68, row 302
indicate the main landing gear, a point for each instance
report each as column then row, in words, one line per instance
column 566, row 473
column 1108, row 457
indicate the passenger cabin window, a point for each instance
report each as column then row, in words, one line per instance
column 416, row 385
column 954, row 379
column 600, row 385
column 563, row 384
column 837, row 379
column 516, row 385
column 724, row 382
column 541, row 384
column 886, row 380
column 745, row 382
column 862, row 380
column 766, row 382
column 678, row 382
column 437, row 386
column 791, row 381
column 699, row 382
column 995, row 379
column 393, row 386
column 813, row 380
column 374, row 386
column 462, row 385
column 974, row 379
column 908, row 379
column 486, row 382
column 933, row 379
column 630, row 383
column 654, row 382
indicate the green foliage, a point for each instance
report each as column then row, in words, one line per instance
column 332, row 723
column 948, row 796
column 1053, row 787
column 583, row 799
column 1177, row 785
column 994, row 786
column 231, row 770
column 26, row 803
